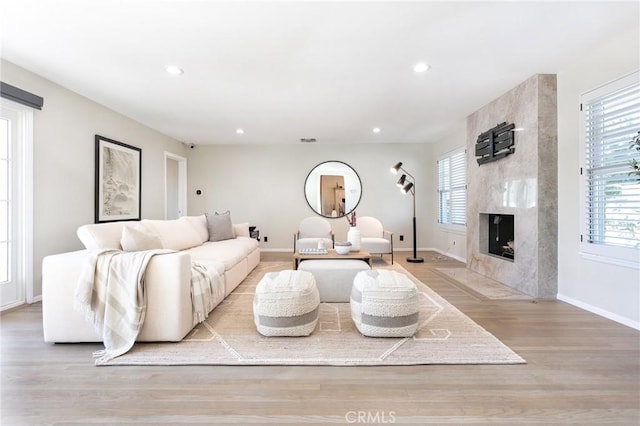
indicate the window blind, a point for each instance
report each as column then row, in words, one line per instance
column 613, row 192
column 452, row 191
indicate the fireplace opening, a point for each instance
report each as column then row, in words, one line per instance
column 501, row 235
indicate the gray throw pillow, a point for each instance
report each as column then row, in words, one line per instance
column 220, row 227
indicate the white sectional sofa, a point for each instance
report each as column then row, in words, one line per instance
column 167, row 279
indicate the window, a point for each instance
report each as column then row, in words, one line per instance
column 5, row 201
column 16, row 211
column 611, row 194
column 452, row 188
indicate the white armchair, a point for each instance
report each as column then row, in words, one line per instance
column 374, row 238
column 310, row 231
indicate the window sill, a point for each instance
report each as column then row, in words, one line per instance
column 610, row 260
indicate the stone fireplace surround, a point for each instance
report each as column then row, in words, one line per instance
column 523, row 184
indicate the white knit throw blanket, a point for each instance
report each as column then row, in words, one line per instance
column 206, row 292
column 111, row 294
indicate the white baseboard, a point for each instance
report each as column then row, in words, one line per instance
column 451, row 255
column 599, row 311
column 35, row 299
column 11, row 306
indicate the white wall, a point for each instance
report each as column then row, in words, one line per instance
column 447, row 239
column 264, row 185
column 64, row 162
column 609, row 290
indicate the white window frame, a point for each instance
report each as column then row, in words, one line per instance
column 617, row 255
column 447, row 157
column 23, row 198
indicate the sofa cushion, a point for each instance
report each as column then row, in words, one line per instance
column 220, row 227
column 229, row 252
column 176, row 234
column 375, row 245
column 199, row 223
column 137, row 238
column 102, row 235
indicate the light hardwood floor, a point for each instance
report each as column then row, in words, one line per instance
column 582, row 369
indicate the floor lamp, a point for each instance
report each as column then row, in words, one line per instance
column 407, row 186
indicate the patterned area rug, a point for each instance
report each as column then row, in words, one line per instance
column 229, row 337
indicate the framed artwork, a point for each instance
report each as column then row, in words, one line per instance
column 118, row 181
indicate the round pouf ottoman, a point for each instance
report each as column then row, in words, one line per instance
column 384, row 304
column 286, row 304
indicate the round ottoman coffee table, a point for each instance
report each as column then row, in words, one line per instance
column 286, row 304
column 384, row 304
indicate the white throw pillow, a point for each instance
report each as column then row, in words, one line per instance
column 241, row 229
column 107, row 235
column 137, row 239
column 199, row 223
column 175, row 234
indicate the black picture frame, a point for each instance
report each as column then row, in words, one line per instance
column 118, row 181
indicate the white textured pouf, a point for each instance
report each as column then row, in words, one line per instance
column 334, row 278
column 384, row 304
column 286, row 304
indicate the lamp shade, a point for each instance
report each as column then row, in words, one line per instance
column 395, row 168
column 400, row 182
column 405, row 189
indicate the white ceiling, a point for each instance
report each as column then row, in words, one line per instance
column 289, row 70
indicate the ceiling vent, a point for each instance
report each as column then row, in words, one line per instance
column 307, row 140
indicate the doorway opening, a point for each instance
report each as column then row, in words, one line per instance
column 175, row 188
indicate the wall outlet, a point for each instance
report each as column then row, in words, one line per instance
column 266, row 239
column 401, row 237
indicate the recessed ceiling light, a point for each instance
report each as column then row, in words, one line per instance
column 174, row 70
column 421, row 67
column 376, row 130
column 240, row 131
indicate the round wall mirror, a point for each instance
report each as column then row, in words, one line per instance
column 333, row 189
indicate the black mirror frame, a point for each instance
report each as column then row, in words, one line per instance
column 307, row 198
